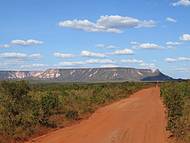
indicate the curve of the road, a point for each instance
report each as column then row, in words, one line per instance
column 137, row 119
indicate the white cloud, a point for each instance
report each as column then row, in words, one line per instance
column 148, row 66
column 31, row 66
column 99, row 61
column 123, row 52
column 185, row 37
column 4, row 65
column 170, row 43
column 183, row 69
column 171, row 60
column 71, row 63
column 92, row 54
column 137, row 45
column 134, row 43
column 131, row 61
column 29, row 42
column 139, row 63
column 7, row 65
column 19, row 56
column 109, row 66
column 86, row 62
column 149, row 46
column 120, row 22
column 169, row 19
column 112, row 23
column 5, row 46
column 147, row 24
column 13, row 55
column 182, row 3
column 103, row 46
column 63, row 55
column 184, row 58
column 35, row 56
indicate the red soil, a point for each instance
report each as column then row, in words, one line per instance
column 137, row 119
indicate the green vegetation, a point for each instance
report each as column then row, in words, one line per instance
column 26, row 107
column 176, row 97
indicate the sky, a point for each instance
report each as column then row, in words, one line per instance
column 43, row 34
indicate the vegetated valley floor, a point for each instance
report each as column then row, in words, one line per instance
column 137, row 119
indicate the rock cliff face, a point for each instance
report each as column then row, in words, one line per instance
column 88, row 74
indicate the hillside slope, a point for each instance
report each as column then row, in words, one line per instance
column 88, row 75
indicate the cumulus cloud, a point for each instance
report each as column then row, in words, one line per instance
column 171, row 60
column 149, row 46
column 137, row 45
column 131, row 61
column 71, row 63
column 99, row 61
column 109, row 66
column 35, row 56
column 183, row 69
column 112, row 23
column 63, row 55
column 103, row 46
column 171, row 44
column 106, row 63
column 139, row 63
column 134, row 43
column 13, row 55
column 4, row 65
column 92, row 54
column 5, row 46
column 185, row 37
column 148, row 65
column 169, row 19
column 20, row 56
column 30, row 42
column 123, row 52
column 86, row 62
column 7, row 65
column 184, row 58
column 31, row 66
column 182, row 3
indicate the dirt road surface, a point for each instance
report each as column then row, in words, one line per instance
column 137, row 119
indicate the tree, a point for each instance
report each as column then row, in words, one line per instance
column 49, row 105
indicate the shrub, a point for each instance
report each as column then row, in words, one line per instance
column 72, row 115
column 17, row 118
column 49, row 106
column 176, row 98
column 24, row 107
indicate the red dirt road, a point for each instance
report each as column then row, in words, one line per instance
column 137, row 119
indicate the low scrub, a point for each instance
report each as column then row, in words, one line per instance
column 25, row 107
column 176, row 97
column 72, row 115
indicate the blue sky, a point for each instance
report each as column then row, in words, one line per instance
column 42, row 34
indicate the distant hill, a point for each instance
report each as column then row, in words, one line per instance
column 88, row 75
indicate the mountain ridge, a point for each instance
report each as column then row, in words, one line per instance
column 88, row 74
